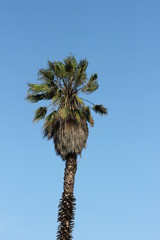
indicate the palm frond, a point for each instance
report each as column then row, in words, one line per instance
column 56, row 100
column 34, row 98
column 50, row 94
column 81, row 76
column 48, row 125
column 78, row 115
column 87, row 113
column 46, row 75
column 40, row 113
column 83, row 64
column 37, row 88
column 58, row 68
column 79, row 100
column 100, row 109
column 70, row 65
column 51, row 117
column 64, row 113
column 92, row 85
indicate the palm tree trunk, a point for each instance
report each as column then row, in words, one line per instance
column 67, row 202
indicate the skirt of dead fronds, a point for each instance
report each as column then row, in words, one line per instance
column 69, row 137
column 66, row 217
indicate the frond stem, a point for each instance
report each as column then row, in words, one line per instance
column 87, row 101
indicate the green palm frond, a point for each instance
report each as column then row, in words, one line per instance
column 37, row 92
column 64, row 113
column 50, row 94
column 50, row 117
column 83, row 64
column 46, row 75
column 37, row 88
column 92, row 85
column 70, row 65
column 100, row 109
column 35, row 98
column 40, row 113
column 81, row 76
column 48, row 124
column 58, row 69
column 79, row 100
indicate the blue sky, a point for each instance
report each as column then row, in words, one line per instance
column 117, row 181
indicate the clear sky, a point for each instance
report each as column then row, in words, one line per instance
column 118, row 176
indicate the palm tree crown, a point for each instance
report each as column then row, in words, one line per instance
column 66, row 123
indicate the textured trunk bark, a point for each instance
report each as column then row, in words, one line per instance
column 67, row 202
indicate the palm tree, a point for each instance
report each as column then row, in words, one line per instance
column 67, row 123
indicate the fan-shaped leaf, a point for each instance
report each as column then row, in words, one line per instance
column 46, row 75
column 59, row 69
column 100, row 109
column 40, row 113
column 79, row 100
column 37, row 88
column 51, row 116
column 48, row 125
column 35, row 98
column 92, row 85
column 70, row 65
